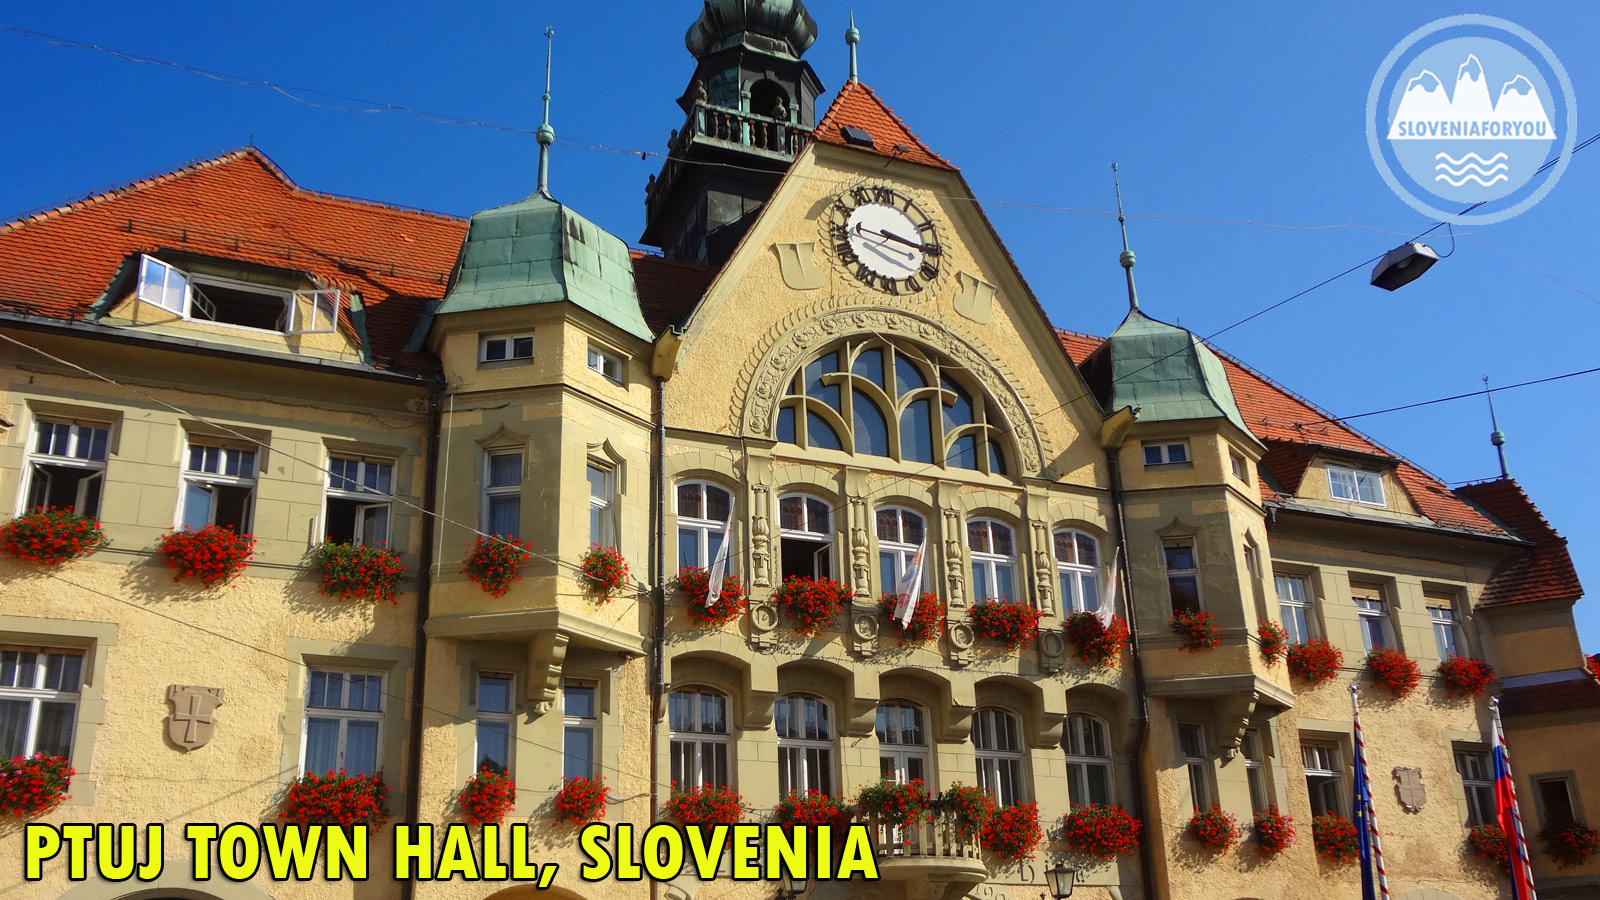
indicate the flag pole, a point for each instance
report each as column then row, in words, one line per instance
column 1369, row 819
column 1506, row 802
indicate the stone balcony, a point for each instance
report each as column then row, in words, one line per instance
column 931, row 858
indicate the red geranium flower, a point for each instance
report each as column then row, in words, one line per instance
column 1101, row 831
column 1315, row 661
column 695, row 586
column 493, row 563
column 352, row 570
column 603, row 572
column 1198, row 629
column 581, row 801
column 1464, row 675
column 811, row 602
column 487, row 797
column 1011, row 621
column 1274, row 642
column 926, row 617
column 1274, row 831
column 1335, row 838
column 1395, row 671
column 1215, row 829
column 1098, row 645
column 50, row 536
column 214, row 554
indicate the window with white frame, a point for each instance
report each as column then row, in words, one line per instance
column 1324, row 766
column 496, row 722
column 1236, row 465
column 344, row 721
column 1355, row 485
column 1446, row 627
column 66, row 466
column 1197, row 763
column 1166, row 453
column 805, row 744
column 903, row 743
column 997, row 744
column 1477, row 782
column 805, row 537
column 580, row 724
column 703, row 513
column 495, row 348
column 1088, row 746
column 901, row 533
column 356, row 508
column 602, row 505
column 39, row 695
column 219, row 487
column 606, row 363
column 699, row 743
column 1373, row 614
column 502, row 493
column 1255, row 769
column 994, row 561
column 1294, row 606
column 1078, row 571
column 1183, row 575
column 241, row 304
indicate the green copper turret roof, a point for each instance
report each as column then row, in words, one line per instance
column 539, row 251
column 1168, row 373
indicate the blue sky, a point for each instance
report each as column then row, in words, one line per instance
column 1214, row 111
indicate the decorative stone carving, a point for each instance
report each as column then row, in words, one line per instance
column 976, row 298
column 860, row 567
column 865, row 627
column 1408, row 788
column 760, row 536
column 1044, row 568
column 193, row 719
column 1233, row 717
column 961, row 638
column 763, row 621
column 769, row 376
column 1052, row 651
column 547, row 654
column 798, row 265
column 953, row 559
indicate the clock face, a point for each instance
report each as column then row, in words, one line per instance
column 885, row 240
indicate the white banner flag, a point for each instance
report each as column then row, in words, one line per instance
column 910, row 588
column 719, row 566
column 1108, row 602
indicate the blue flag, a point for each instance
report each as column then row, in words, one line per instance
column 1361, row 808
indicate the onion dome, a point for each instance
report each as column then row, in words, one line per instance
column 774, row 26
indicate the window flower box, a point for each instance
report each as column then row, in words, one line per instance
column 493, row 563
column 487, row 797
column 1274, row 831
column 1198, row 629
column 603, row 572
column 1395, row 671
column 811, row 809
column 1465, row 676
column 811, row 603
column 1098, row 645
column 695, row 585
column 706, row 805
column 581, row 801
column 214, row 554
column 1314, row 662
column 897, row 805
column 353, row 570
column 31, row 786
column 926, row 619
column 1101, row 831
column 1488, row 841
column 969, row 807
column 1570, row 845
column 49, row 536
column 1013, row 832
column 1274, row 642
column 1011, row 622
column 336, row 798
column 1216, row 830
column 1335, row 838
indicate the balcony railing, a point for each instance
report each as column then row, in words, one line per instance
column 719, row 126
column 931, row 848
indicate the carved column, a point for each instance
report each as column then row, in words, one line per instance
column 958, row 623
column 1052, row 643
column 863, row 612
column 758, row 499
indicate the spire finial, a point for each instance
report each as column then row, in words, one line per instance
column 1127, row 255
column 546, row 135
column 852, row 36
column 1496, row 437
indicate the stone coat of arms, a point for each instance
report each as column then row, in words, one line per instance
column 194, row 714
column 1408, row 787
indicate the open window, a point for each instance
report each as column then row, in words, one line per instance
column 242, row 304
column 67, row 465
column 806, row 537
column 219, row 486
column 357, row 502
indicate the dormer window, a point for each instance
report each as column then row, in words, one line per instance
column 239, row 304
column 1355, row 485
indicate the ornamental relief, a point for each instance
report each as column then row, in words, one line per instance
column 767, row 375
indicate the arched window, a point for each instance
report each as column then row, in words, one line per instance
column 805, row 526
column 703, row 511
column 699, row 742
column 1088, row 761
column 900, row 535
column 994, row 560
column 878, row 398
column 805, row 744
column 997, row 740
column 1078, row 571
column 903, row 743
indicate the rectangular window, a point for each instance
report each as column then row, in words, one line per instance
column 67, row 465
column 1447, row 636
column 1373, row 615
column 1236, row 465
column 357, row 501
column 505, row 347
column 699, row 740
column 606, row 363
column 495, row 723
column 162, row 285
column 1555, row 801
column 805, row 745
column 1183, row 575
column 502, row 494
column 1255, row 772
column 1197, row 760
column 602, row 517
column 1324, row 777
column 219, row 485
column 1294, row 605
column 39, row 695
column 580, row 723
column 1166, row 453
column 1477, row 782
column 1355, row 485
column 344, row 720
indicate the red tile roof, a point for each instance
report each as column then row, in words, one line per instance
column 1293, row 429
column 858, row 106
column 1543, row 573
column 237, row 206
column 1533, row 699
column 668, row 289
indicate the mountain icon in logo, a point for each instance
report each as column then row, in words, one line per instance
column 1426, row 112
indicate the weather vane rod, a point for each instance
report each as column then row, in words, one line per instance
column 546, row 135
column 1496, row 437
column 852, row 36
column 1127, row 255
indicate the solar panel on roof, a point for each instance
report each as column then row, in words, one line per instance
column 857, row 136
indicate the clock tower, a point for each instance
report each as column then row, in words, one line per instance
column 749, row 109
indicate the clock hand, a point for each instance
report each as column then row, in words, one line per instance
column 866, row 231
column 895, row 237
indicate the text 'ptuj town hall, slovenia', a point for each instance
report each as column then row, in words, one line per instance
column 325, row 510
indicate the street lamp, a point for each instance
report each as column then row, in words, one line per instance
column 1060, row 878
column 790, row 887
column 1403, row 265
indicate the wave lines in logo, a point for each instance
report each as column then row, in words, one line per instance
column 1486, row 172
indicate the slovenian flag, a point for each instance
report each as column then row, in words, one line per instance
column 909, row 588
column 719, row 566
column 1505, row 801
